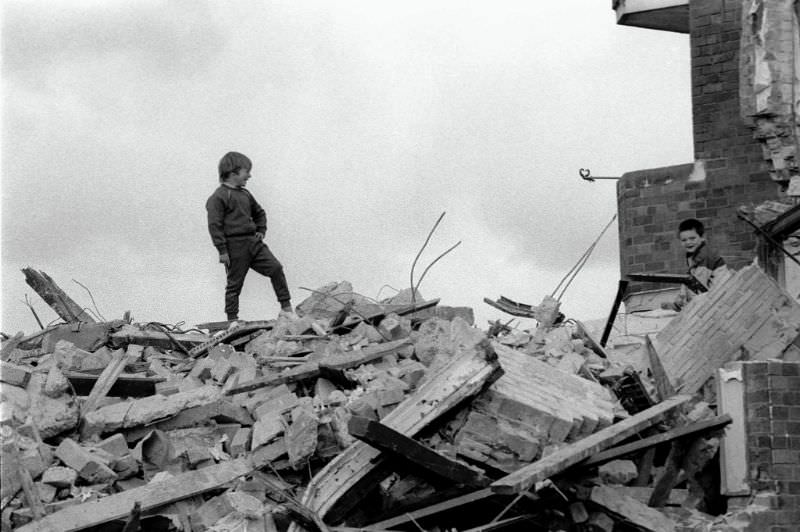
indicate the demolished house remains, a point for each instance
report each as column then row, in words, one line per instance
column 405, row 415
column 395, row 416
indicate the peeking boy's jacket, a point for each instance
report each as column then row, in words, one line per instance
column 705, row 266
column 233, row 212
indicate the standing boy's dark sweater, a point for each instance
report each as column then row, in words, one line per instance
column 233, row 211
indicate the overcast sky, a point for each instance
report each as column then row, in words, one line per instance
column 365, row 120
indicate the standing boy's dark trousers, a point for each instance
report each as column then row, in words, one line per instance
column 247, row 252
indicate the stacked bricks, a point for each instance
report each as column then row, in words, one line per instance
column 731, row 170
column 772, row 407
column 531, row 406
column 747, row 315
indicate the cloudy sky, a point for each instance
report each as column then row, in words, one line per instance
column 365, row 121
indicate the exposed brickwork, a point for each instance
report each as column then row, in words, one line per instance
column 773, row 439
column 748, row 311
column 652, row 202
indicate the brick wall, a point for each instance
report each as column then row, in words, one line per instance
column 748, row 312
column 772, row 408
column 731, row 169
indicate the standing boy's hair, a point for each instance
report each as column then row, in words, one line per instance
column 692, row 225
column 231, row 163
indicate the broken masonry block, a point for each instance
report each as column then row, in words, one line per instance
column 47, row 493
column 323, row 388
column 301, row 435
column 88, row 466
column 168, row 387
column 276, row 405
column 60, row 476
column 56, row 384
column 145, row 410
column 600, row 522
column 266, row 429
column 578, row 513
column 618, row 472
column 13, row 374
column 221, row 370
column 394, row 327
column 219, row 507
column 240, row 443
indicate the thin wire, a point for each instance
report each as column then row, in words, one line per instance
column 33, row 310
column 92, row 298
column 378, row 295
column 582, row 261
column 454, row 246
column 419, row 253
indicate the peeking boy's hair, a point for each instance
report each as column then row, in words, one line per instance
column 231, row 163
column 692, row 224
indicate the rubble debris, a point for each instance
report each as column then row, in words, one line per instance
column 524, row 478
column 443, row 387
column 54, row 296
column 747, row 312
column 631, row 510
column 384, row 438
column 714, row 423
column 293, row 422
column 106, row 380
column 152, row 495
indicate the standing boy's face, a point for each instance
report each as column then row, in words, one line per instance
column 239, row 179
column 691, row 240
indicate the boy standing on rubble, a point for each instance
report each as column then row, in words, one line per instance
column 237, row 225
column 704, row 265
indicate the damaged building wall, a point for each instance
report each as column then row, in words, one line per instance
column 770, row 83
column 769, row 460
column 729, row 170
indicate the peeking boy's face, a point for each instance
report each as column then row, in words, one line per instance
column 691, row 240
column 239, row 179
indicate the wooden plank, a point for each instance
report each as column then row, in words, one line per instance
column 124, row 386
column 308, row 370
column 732, row 454
column 244, row 329
column 352, row 359
column 118, row 506
column 29, row 489
column 713, row 423
column 631, row 510
column 663, row 385
column 462, row 376
column 351, row 323
column 502, row 523
column 132, row 335
column 510, row 307
column 669, row 475
column 54, row 296
column 399, row 445
column 524, row 478
column 106, row 380
column 622, row 287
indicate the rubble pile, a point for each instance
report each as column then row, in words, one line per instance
column 382, row 416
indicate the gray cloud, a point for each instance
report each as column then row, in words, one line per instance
column 364, row 122
column 172, row 38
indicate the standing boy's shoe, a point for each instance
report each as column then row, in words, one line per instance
column 288, row 314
